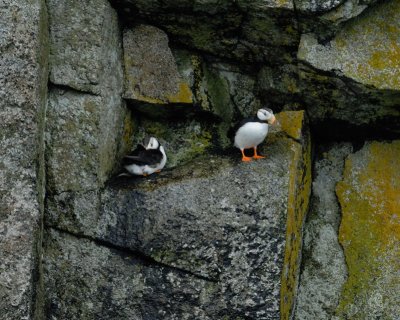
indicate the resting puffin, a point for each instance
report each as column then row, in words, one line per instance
column 146, row 159
column 252, row 131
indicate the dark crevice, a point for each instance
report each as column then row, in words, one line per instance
column 41, row 169
column 340, row 213
column 143, row 258
column 71, row 89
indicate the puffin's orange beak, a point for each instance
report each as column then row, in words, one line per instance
column 272, row 120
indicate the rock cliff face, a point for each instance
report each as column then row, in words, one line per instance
column 23, row 87
column 209, row 237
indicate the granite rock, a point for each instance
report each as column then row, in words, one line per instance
column 87, row 280
column 366, row 50
column 324, row 270
column 350, row 83
column 84, row 140
column 85, row 45
column 23, row 85
column 151, row 72
column 88, row 125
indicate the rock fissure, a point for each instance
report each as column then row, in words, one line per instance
column 142, row 257
column 67, row 88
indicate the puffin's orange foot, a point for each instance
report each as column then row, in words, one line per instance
column 257, row 156
column 144, row 174
column 246, row 159
column 158, row 171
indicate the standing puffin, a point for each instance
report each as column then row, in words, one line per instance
column 146, row 159
column 252, row 131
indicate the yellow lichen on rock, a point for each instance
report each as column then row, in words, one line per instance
column 292, row 123
column 367, row 49
column 184, row 94
column 369, row 195
column 375, row 39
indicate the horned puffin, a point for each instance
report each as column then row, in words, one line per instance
column 146, row 159
column 252, row 131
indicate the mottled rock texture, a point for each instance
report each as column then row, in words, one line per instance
column 258, row 31
column 92, row 281
column 237, row 226
column 23, row 84
column 366, row 50
column 85, row 46
column 151, row 73
column 351, row 82
column 87, row 118
column 370, row 232
column 327, row 17
column 324, row 269
column 210, row 237
column 83, row 138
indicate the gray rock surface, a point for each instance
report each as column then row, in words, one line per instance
column 215, row 218
column 86, row 280
column 87, row 121
column 317, row 5
column 350, row 84
column 83, row 139
column 151, row 73
column 23, row 85
column 365, row 50
column 324, row 269
column 325, row 18
column 85, row 45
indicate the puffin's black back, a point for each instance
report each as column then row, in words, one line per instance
column 141, row 156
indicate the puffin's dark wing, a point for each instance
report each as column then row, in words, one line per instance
column 143, row 157
column 249, row 119
column 139, row 148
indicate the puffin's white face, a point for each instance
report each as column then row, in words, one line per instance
column 266, row 115
column 153, row 143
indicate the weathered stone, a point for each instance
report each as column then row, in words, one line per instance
column 86, row 133
column 317, row 5
column 85, row 45
column 23, row 85
column 151, row 73
column 257, row 31
column 323, row 267
column 325, row 18
column 340, row 108
column 214, row 218
column 370, row 232
column 278, row 85
column 84, row 139
column 366, row 50
column 348, row 96
column 85, row 280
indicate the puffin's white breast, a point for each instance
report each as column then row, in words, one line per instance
column 251, row 134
